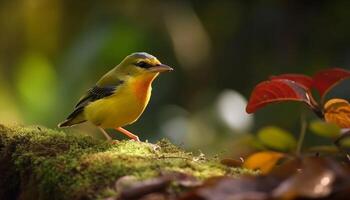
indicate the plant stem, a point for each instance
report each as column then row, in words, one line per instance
column 303, row 126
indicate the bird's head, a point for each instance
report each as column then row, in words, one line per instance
column 138, row 64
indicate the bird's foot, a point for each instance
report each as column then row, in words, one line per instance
column 136, row 139
column 109, row 138
column 128, row 133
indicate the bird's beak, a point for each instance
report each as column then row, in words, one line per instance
column 161, row 68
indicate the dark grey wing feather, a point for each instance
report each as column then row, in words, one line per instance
column 94, row 94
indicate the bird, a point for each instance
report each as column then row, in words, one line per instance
column 120, row 97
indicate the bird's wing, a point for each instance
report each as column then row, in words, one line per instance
column 99, row 91
column 93, row 94
column 96, row 93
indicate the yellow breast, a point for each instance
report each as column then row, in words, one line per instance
column 124, row 107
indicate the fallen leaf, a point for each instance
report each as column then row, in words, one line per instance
column 232, row 162
column 224, row 188
column 326, row 79
column 337, row 111
column 139, row 189
column 297, row 178
column 276, row 91
column 288, row 167
column 314, row 180
column 155, row 196
column 263, row 161
column 128, row 187
column 124, row 182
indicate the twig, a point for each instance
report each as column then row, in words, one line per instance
column 173, row 157
column 303, row 126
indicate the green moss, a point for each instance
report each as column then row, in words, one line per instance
column 56, row 165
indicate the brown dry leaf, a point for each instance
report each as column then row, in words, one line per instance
column 337, row 111
column 157, row 188
column 155, row 196
column 287, row 168
column 124, row 182
column 295, row 179
column 142, row 188
column 232, row 162
column 224, row 188
column 264, row 161
column 314, row 180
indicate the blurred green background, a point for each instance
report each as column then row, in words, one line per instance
column 51, row 51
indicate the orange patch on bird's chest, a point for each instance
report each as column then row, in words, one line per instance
column 142, row 87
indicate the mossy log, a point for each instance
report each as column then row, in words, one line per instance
column 39, row 163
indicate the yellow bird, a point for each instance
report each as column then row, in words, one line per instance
column 120, row 96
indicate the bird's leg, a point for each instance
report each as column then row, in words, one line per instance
column 128, row 133
column 105, row 133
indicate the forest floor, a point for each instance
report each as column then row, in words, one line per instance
column 40, row 163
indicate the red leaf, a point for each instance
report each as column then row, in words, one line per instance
column 325, row 80
column 276, row 91
column 303, row 80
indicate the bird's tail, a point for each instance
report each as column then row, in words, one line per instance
column 68, row 123
column 76, row 117
column 65, row 123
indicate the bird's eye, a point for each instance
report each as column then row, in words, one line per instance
column 143, row 64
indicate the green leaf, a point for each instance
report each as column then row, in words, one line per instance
column 324, row 129
column 276, row 138
column 329, row 149
column 343, row 142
